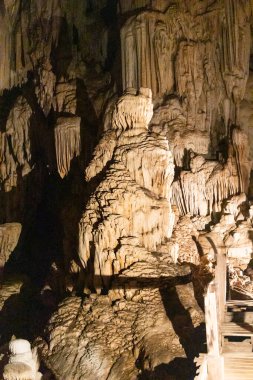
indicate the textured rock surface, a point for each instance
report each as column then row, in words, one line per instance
column 232, row 235
column 9, row 236
column 23, row 362
column 204, row 188
column 170, row 120
column 130, row 325
column 132, row 201
column 107, row 193
column 15, row 144
column 67, row 142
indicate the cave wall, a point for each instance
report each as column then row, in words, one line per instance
column 124, row 127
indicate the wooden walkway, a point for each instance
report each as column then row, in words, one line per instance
column 237, row 340
column 238, row 368
column 229, row 328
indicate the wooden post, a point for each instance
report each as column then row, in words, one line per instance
column 212, row 323
column 221, row 284
column 215, row 367
column 215, row 362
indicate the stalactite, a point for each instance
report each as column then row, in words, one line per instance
column 65, row 97
column 197, row 81
column 15, row 150
column 29, row 30
column 138, row 229
column 45, row 85
column 209, row 183
column 235, row 50
column 150, row 38
column 241, row 147
column 67, row 142
column 169, row 119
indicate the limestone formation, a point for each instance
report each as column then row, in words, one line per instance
column 231, row 236
column 236, row 51
column 152, row 100
column 112, row 332
column 67, row 142
column 183, row 241
column 45, row 85
column 23, row 362
column 245, row 117
column 133, row 198
column 9, row 236
column 200, row 87
column 65, row 97
column 203, row 189
column 23, row 50
column 148, row 37
column 170, row 120
column 15, row 150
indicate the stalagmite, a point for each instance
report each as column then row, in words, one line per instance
column 182, row 243
column 23, row 362
column 67, row 142
column 133, row 198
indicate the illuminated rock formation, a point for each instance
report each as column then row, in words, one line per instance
column 65, row 97
column 23, row 363
column 169, row 120
column 21, row 52
column 15, row 141
column 202, row 190
column 232, row 235
column 45, row 85
column 67, row 142
column 200, row 86
column 127, row 248
column 112, row 331
column 133, row 198
column 148, row 37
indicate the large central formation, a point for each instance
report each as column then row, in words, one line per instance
column 131, row 205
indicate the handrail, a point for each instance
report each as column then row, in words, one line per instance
column 212, row 320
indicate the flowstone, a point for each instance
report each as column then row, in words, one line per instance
column 129, row 331
column 132, row 199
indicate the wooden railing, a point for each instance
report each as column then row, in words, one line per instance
column 221, row 284
column 212, row 320
column 212, row 365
